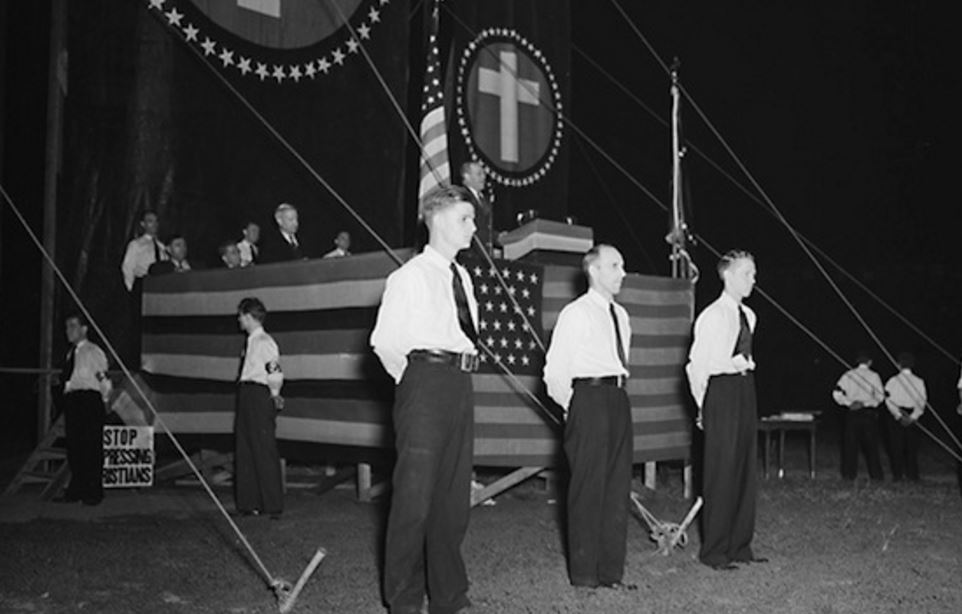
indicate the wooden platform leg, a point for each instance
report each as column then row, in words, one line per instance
column 651, row 475
column 686, row 473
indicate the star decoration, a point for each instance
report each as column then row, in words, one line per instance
column 278, row 73
column 157, row 4
column 173, row 17
column 244, row 65
column 364, row 31
column 295, row 73
column 227, row 57
column 309, row 70
column 374, row 15
column 323, row 65
column 210, row 47
column 262, row 71
column 352, row 46
column 338, row 56
column 190, row 33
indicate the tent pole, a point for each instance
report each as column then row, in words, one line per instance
column 56, row 89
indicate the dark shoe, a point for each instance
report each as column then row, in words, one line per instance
column 619, row 586
column 725, row 567
column 276, row 516
column 246, row 513
column 755, row 559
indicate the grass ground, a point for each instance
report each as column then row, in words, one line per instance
column 835, row 547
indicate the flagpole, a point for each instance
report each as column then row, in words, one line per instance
column 681, row 264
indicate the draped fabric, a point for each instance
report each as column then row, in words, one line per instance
column 321, row 313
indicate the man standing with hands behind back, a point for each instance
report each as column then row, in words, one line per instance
column 720, row 373
column 586, row 369
column 425, row 336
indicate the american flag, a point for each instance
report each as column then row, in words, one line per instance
column 435, row 168
column 501, row 328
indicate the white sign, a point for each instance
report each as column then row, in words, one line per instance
column 128, row 456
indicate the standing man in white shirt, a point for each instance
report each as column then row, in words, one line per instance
column 905, row 400
column 721, row 376
column 248, row 245
column 860, row 392
column 85, row 393
column 425, row 336
column 257, row 474
column 585, row 372
column 143, row 251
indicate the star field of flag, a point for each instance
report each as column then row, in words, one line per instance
column 500, row 327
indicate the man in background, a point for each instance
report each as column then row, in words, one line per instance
column 905, row 400
column 342, row 245
column 177, row 260
column 142, row 252
column 247, row 247
column 282, row 244
column 859, row 391
column 86, row 390
column 230, row 255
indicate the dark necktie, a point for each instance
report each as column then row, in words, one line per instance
column 68, row 365
column 243, row 357
column 744, row 344
column 619, row 346
column 156, row 251
column 461, row 302
column 253, row 253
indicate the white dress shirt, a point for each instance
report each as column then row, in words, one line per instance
column 715, row 337
column 89, row 370
column 139, row 256
column 248, row 251
column 859, row 385
column 583, row 344
column 905, row 389
column 262, row 361
column 418, row 312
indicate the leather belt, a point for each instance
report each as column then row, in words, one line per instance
column 464, row 361
column 617, row 381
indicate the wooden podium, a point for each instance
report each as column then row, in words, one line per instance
column 548, row 242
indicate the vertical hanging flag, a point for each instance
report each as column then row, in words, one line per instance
column 435, row 169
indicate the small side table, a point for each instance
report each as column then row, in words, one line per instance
column 780, row 424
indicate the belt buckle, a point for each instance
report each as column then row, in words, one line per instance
column 468, row 362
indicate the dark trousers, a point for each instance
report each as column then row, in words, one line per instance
column 903, row 448
column 84, row 424
column 861, row 431
column 431, row 496
column 598, row 442
column 257, row 465
column 729, row 474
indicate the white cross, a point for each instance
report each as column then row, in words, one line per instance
column 271, row 8
column 512, row 91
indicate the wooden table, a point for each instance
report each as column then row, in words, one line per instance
column 780, row 424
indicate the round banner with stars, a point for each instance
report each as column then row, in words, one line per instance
column 275, row 41
column 509, row 107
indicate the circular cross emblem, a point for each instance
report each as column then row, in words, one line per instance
column 509, row 107
column 277, row 41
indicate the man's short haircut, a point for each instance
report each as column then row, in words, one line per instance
column 174, row 237
column 281, row 208
column 253, row 306
column 224, row 246
column 906, row 360
column 439, row 198
column 729, row 259
column 143, row 216
column 862, row 357
column 591, row 257
column 78, row 316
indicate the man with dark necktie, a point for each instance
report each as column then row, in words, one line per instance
column 721, row 376
column 142, row 252
column 283, row 243
column 586, row 371
column 474, row 179
column 425, row 337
